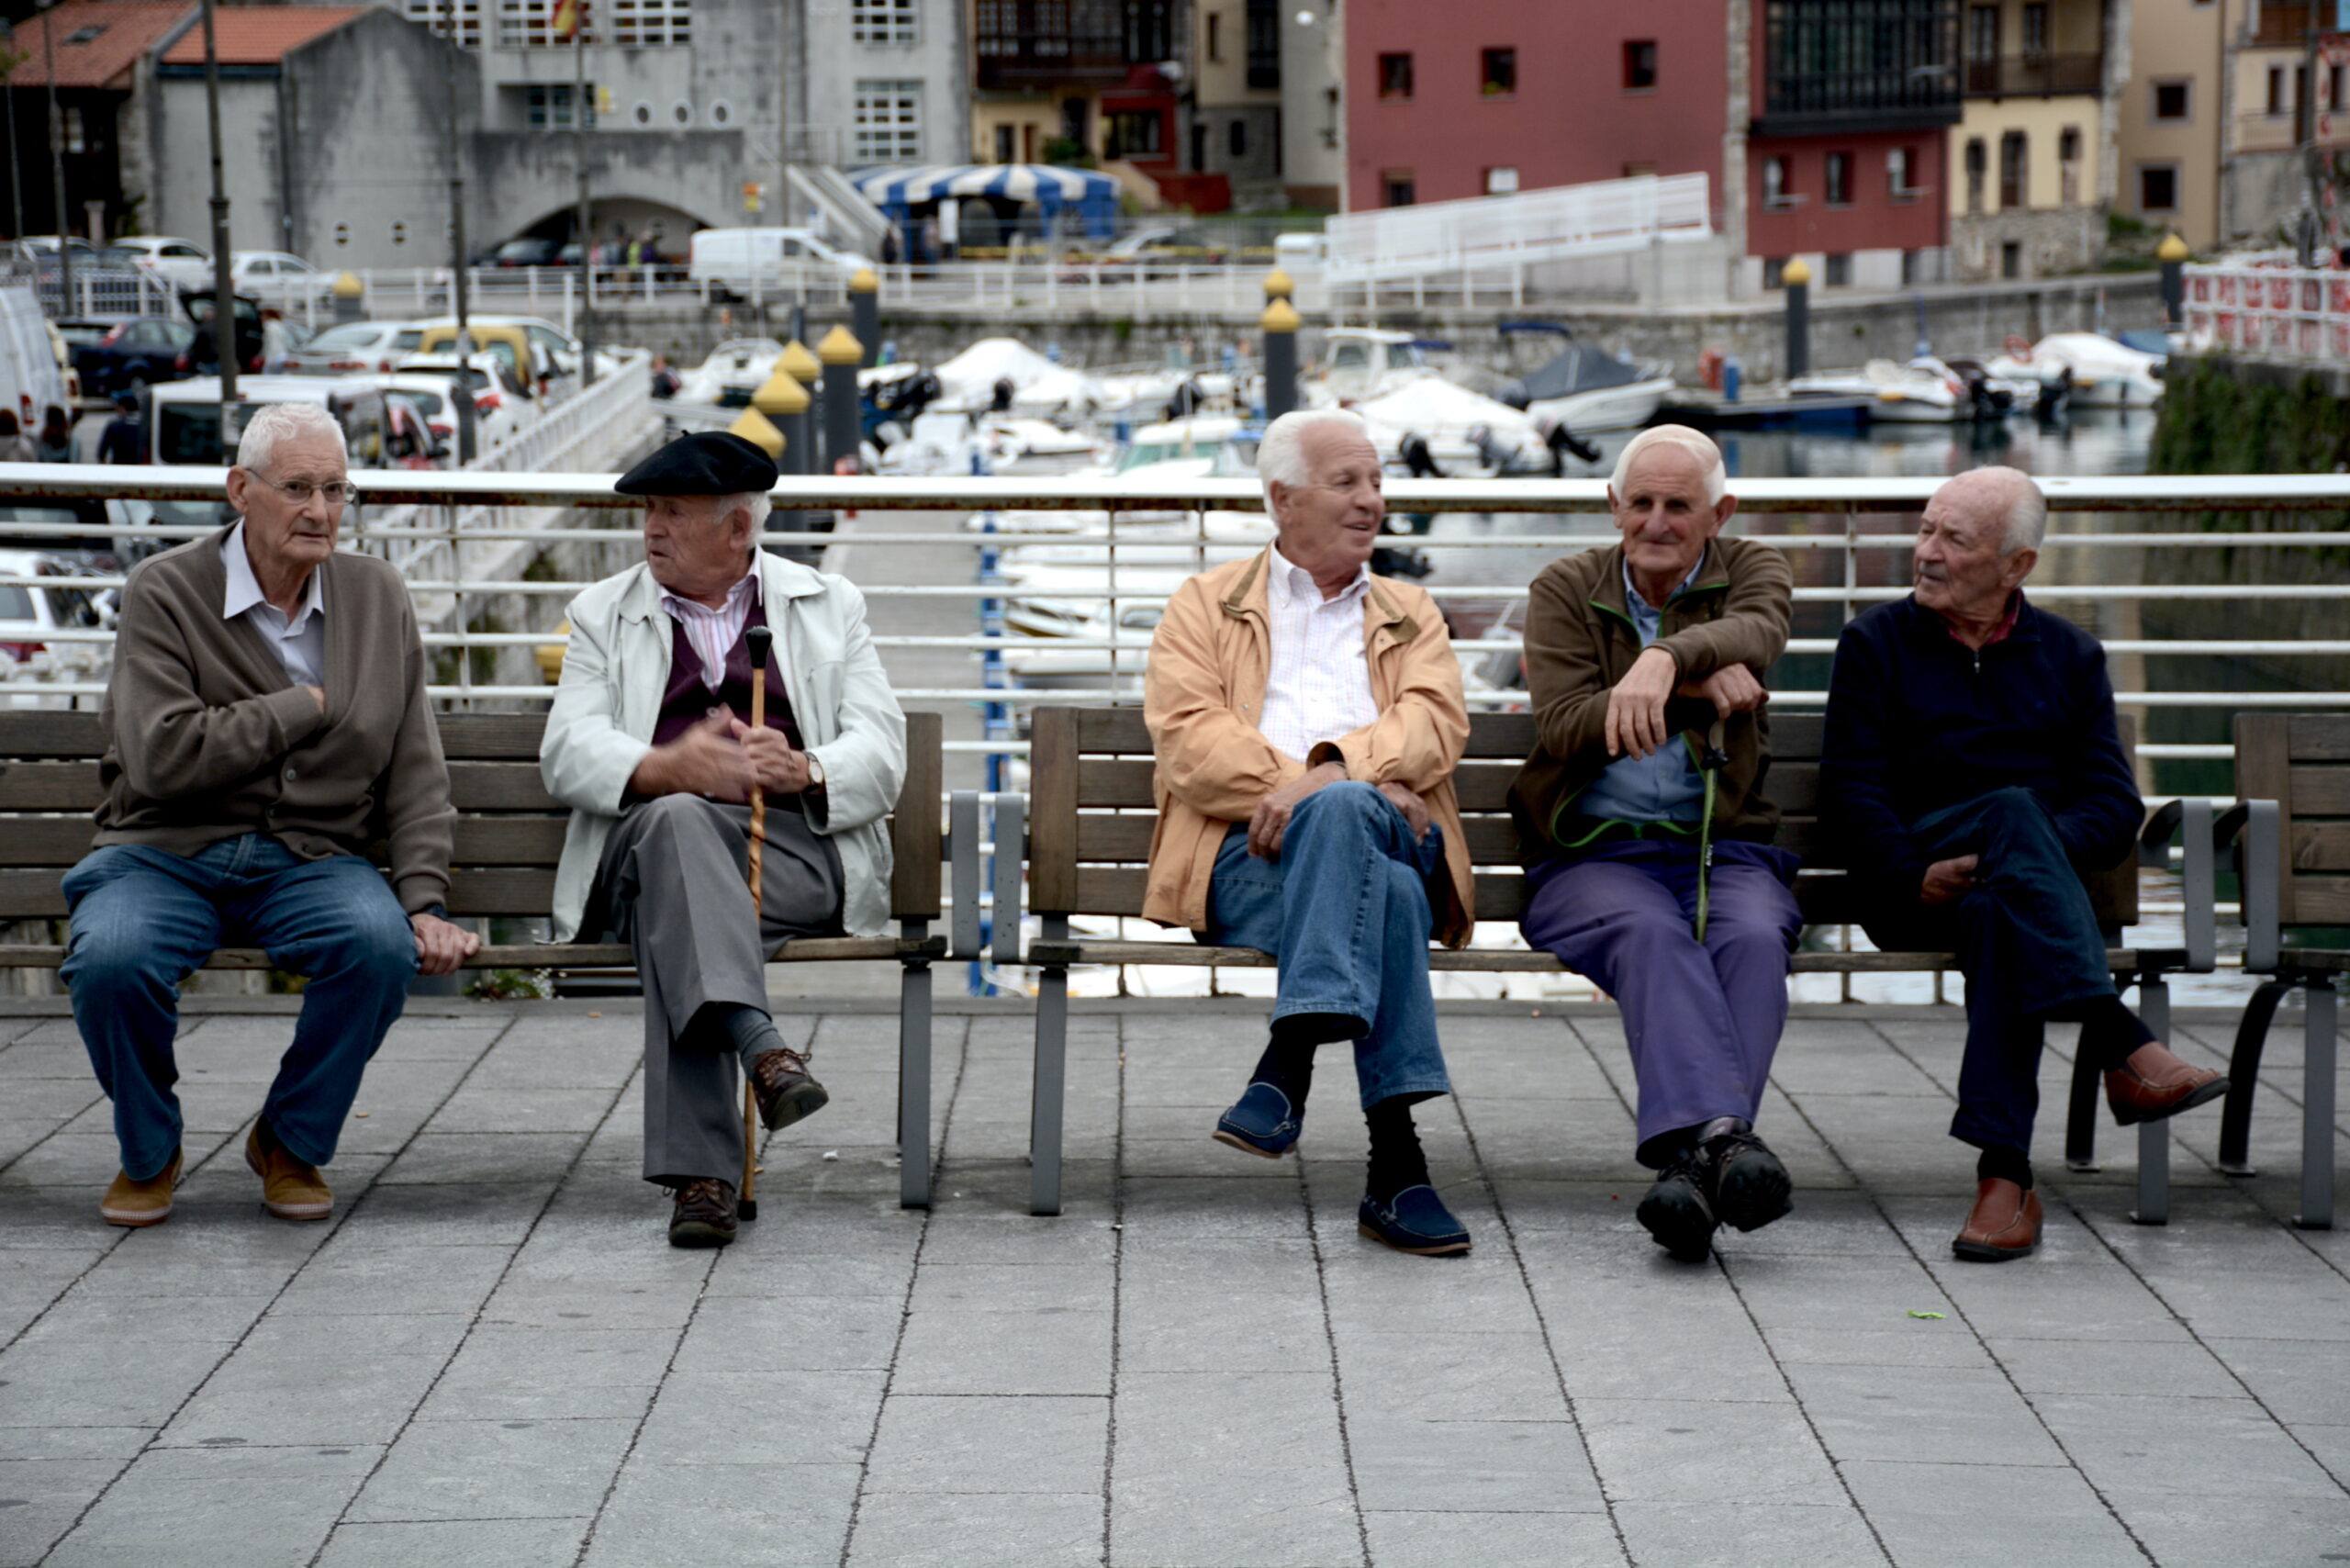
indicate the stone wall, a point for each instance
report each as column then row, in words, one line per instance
column 2054, row 241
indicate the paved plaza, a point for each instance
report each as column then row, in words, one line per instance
column 490, row 1357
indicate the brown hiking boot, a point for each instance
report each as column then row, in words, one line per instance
column 705, row 1213
column 133, row 1204
column 289, row 1189
column 786, row 1090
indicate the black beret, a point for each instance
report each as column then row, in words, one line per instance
column 706, row 462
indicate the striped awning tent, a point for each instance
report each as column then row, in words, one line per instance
column 899, row 191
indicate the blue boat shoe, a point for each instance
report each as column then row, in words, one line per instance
column 1414, row 1221
column 1262, row 1122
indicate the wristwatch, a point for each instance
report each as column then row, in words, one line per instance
column 815, row 770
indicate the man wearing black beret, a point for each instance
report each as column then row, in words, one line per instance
column 650, row 744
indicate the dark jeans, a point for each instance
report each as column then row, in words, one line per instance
column 145, row 919
column 1345, row 911
column 2027, row 941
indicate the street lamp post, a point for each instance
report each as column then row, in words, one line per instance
column 57, row 169
column 468, row 433
column 224, row 301
column 584, row 223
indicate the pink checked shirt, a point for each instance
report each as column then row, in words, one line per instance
column 713, row 632
column 1317, row 686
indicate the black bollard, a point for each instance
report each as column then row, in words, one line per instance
column 1798, row 278
column 840, row 353
column 1279, row 324
column 2172, row 252
column 865, row 313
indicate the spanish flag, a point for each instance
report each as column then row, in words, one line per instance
column 564, row 19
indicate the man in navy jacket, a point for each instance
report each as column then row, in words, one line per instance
column 1972, row 766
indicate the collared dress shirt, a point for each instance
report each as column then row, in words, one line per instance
column 1664, row 785
column 1317, row 685
column 300, row 643
column 713, row 632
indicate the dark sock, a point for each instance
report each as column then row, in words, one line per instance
column 751, row 1029
column 1288, row 1067
column 2006, row 1164
column 1318, row 1028
column 1396, row 1161
column 2109, row 1032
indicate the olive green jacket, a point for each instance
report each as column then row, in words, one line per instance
column 1580, row 641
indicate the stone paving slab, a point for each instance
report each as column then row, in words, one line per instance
column 490, row 1357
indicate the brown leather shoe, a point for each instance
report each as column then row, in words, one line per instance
column 133, row 1204
column 705, row 1213
column 2153, row 1084
column 2004, row 1223
column 289, row 1189
column 786, row 1090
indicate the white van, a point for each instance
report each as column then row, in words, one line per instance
column 183, row 420
column 30, row 382
column 1303, row 252
column 737, row 261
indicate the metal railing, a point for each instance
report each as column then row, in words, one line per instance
column 1846, row 536
column 2278, row 311
column 1498, row 232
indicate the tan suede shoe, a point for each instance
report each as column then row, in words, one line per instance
column 2004, row 1223
column 289, row 1189
column 133, row 1204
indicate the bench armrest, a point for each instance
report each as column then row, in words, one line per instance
column 2189, row 821
column 2252, row 831
column 1011, row 860
column 963, row 860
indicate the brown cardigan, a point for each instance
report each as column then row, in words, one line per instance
column 1580, row 641
column 207, row 737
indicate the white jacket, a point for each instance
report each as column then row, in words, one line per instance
column 617, row 665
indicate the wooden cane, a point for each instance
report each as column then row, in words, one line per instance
column 759, row 639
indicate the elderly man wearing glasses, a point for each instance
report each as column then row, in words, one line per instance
column 266, row 722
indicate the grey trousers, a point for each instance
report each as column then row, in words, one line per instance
column 672, row 887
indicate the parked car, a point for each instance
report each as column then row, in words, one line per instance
column 28, row 616
column 529, row 250
column 278, row 276
column 355, row 347
column 409, row 440
column 184, row 425
column 561, row 347
column 202, row 352
column 735, row 261
column 1151, row 248
column 31, row 380
column 180, row 262
column 136, row 353
column 430, row 382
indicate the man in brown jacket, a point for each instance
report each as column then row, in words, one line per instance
column 266, row 722
column 1646, row 838
column 1307, row 716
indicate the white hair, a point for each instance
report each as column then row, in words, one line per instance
column 2027, row 520
column 274, row 422
column 1696, row 443
column 1281, row 453
column 758, row 503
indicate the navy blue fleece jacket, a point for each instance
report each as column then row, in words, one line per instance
column 1917, row 721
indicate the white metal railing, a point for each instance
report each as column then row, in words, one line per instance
column 1834, row 527
column 2278, row 311
column 1597, row 219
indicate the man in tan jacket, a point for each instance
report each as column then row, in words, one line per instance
column 1307, row 716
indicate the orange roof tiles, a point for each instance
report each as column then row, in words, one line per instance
column 124, row 30
column 260, row 35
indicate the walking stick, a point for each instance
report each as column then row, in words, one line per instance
column 759, row 638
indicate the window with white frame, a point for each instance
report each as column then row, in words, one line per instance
column 889, row 122
column 547, row 107
column 630, row 24
column 434, row 13
column 885, row 21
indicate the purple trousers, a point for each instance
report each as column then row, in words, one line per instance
column 1702, row 1020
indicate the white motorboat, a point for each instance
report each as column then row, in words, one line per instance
column 734, row 370
column 1590, row 389
column 1449, row 418
column 1928, row 392
column 1363, row 363
column 2097, row 372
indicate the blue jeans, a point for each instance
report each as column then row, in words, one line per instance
column 145, row 919
column 1345, row 911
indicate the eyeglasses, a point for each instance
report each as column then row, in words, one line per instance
column 299, row 491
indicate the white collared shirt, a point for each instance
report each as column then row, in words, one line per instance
column 1317, row 685
column 300, row 643
column 713, row 632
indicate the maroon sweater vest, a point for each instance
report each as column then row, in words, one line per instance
column 688, row 701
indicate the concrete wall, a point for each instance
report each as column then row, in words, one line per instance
column 526, row 177
column 180, row 200
column 1314, row 107
column 834, row 63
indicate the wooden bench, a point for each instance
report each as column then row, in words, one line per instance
column 2291, row 830
column 1091, row 816
column 508, row 838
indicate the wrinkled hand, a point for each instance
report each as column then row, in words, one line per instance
column 1732, row 689
column 780, row 769
column 1270, row 823
column 441, row 947
column 1415, row 810
column 1949, row 879
column 1636, row 706
column 705, row 760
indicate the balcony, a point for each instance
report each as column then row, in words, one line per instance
column 1030, row 45
column 1858, row 65
column 2281, row 25
column 2035, row 75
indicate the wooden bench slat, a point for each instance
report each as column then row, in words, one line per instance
column 2317, row 737
column 491, row 737
column 2317, row 790
column 1191, row 955
column 2320, row 847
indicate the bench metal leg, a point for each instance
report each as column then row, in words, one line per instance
column 2317, row 1106
column 1051, row 1086
column 2244, row 1076
column 914, row 1078
column 2153, row 1138
column 2080, row 1118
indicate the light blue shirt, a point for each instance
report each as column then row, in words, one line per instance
column 300, row 643
column 1665, row 786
